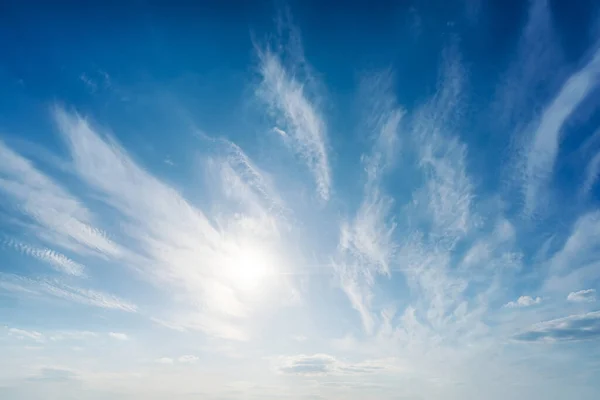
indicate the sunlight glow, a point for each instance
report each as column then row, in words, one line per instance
column 250, row 266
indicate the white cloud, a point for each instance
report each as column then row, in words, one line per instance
column 54, row 214
column 591, row 174
column 568, row 329
column 187, row 359
column 118, row 336
column 546, row 140
column 210, row 265
column 576, row 263
column 57, row 260
column 524, row 301
column 305, row 130
column 18, row 285
column 72, row 335
column 25, row 334
column 537, row 60
column 366, row 247
column 582, row 296
column 324, row 364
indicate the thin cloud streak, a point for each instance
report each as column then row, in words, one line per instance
column 44, row 288
column 57, row 260
column 366, row 247
column 546, row 139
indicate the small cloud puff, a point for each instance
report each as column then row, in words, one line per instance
column 524, row 301
column 118, row 336
column 582, row 296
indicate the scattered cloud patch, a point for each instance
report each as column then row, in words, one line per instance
column 582, row 296
column 324, row 364
column 25, row 334
column 118, row 336
column 569, row 329
column 524, row 301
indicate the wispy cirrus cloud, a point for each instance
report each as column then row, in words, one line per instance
column 58, row 261
column 591, row 174
column 544, row 147
column 210, row 263
column 575, row 263
column 46, row 288
column 366, row 247
column 299, row 118
column 55, row 215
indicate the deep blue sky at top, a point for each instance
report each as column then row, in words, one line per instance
column 196, row 56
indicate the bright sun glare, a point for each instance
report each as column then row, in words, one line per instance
column 250, row 266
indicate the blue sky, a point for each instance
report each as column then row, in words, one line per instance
column 301, row 200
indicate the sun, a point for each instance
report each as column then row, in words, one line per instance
column 250, row 266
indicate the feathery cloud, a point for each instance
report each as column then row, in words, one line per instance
column 57, row 260
column 18, row 285
column 366, row 247
column 305, row 129
column 56, row 216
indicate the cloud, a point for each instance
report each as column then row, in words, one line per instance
column 582, row 296
column 52, row 374
column 546, row 140
column 304, row 129
column 324, row 364
column 572, row 328
column 187, row 359
column 72, row 335
column 206, row 262
column 24, row 334
column 591, row 174
column 524, row 301
column 56, row 216
column 537, row 59
column 57, row 260
column 18, row 285
column 576, row 263
column 366, row 247
column 118, row 336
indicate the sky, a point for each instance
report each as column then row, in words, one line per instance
column 302, row 200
